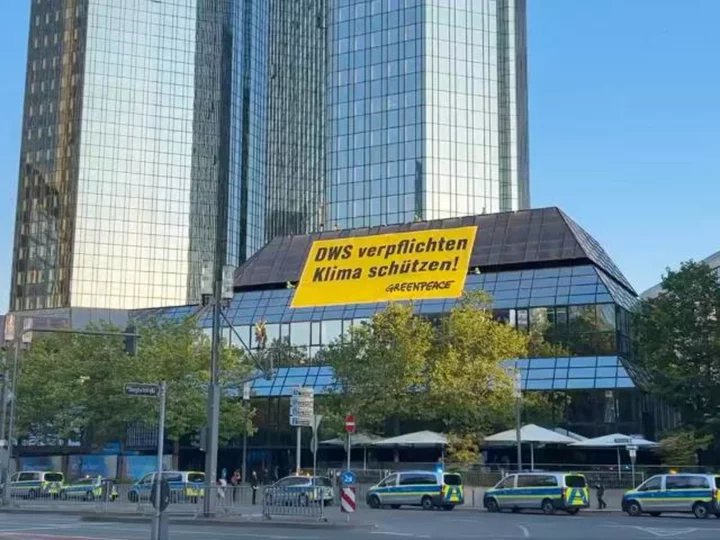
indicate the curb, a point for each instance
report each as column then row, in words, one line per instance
column 246, row 522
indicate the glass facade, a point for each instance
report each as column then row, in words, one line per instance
column 143, row 150
column 427, row 110
column 570, row 306
column 296, row 122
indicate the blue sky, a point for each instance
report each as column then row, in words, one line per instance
column 624, row 125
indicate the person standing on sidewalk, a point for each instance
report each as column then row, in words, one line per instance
column 254, row 486
column 600, row 492
column 235, row 480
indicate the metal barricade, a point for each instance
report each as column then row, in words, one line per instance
column 296, row 501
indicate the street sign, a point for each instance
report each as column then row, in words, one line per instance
column 348, row 478
column 350, row 423
column 246, row 391
column 303, row 391
column 347, row 500
column 301, row 421
column 142, row 389
column 302, row 400
column 302, row 410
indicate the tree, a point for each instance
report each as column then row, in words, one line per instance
column 678, row 340
column 72, row 386
column 405, row 368
column 463, row 450
column 681, row 447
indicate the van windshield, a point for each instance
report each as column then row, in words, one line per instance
column 196, row 477
column 575, row 481
column 54, row 477
column 717, row 482
column 452, row 480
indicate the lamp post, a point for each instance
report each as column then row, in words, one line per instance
column 517, row 394
column 216, row 288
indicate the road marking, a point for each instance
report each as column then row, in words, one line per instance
column 525, row 531
column 666, row 533
column 405, row 535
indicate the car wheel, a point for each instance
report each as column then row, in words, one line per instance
column 573, row 511
column 374, row 502
column 700, row 510
column 448, row 507
column 515, row 510
column 268, row 499
column 133, row 497
column 634, row 509
column 655, row 514
column 395, row 506
column 427, row 503
column 492, row 506
column 548, row 508
column 89, row 496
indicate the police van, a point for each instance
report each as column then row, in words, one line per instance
column 33, row 484
column 546, row 491
column 184, row 486
column 686, row 493
column 427, row 489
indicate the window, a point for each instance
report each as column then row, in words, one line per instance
column 389, row 481
column 54, row 477
column 196, row 477
column 416, row 479
column 686, row 482
column 322, row 481
column 717, row 482
column 536, row 480
column 653, row 484
column 506, row 483
column 28, row 477
column 575, row 481
column 452, row 480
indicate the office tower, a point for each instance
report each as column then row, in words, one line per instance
column 427, row 110
column 143, row 135
column 296, row 117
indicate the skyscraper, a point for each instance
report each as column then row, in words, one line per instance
column 427, row 110
column 160, row 134
column 142, row 153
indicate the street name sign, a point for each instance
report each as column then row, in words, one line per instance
column 142, row 389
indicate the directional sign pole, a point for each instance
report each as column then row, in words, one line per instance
column 298, row 450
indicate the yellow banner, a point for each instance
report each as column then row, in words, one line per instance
column 400, row 266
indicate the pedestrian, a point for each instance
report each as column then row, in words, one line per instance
column 254, row 486
column 235, row 480
column 600, row 492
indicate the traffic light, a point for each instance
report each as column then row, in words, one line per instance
column 130, row 340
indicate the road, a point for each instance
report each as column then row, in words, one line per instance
column 389, row 524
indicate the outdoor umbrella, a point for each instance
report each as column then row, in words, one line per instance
column 617, row 441
column 419, row 439
column 529, row 433
column 358, row 439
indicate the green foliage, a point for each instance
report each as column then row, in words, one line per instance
column 678, row 338
column 463, row 450
column 680, row 447
column 400, row 367
column 73, row 384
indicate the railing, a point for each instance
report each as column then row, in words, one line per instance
column 296, row 502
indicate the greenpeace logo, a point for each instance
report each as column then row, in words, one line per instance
column 415, row 286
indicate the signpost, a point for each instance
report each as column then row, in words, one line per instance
column 159, row 526
column 632, row 450
column 350, row 429
column 302, row 414
column 246, row 400
column 314, row 442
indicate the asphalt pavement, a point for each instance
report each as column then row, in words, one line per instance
column 373, row 525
